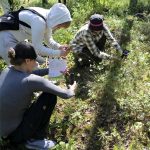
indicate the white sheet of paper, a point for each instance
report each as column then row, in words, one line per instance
column 56, row 66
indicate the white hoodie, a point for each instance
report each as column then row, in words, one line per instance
column 40, row 30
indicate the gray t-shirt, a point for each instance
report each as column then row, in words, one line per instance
column 16, row 91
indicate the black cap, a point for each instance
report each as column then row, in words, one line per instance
column 96, row 22
column 25, row 50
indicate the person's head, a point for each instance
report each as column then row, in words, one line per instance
column 59, row 17
column 96, row 23
column 23, row 55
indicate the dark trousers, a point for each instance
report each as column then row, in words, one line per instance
column 35, row 121
column 86, row 55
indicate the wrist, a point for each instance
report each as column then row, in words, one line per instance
column 59, row 45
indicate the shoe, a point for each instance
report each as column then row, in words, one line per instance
column 39, row 144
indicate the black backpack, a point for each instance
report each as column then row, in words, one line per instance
column 10, row 20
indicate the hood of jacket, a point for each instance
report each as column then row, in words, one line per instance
column 58, row 14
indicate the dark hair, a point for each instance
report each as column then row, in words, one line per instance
column 23, row 50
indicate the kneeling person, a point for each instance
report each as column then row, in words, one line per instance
column 89, row 42
column 22, row 121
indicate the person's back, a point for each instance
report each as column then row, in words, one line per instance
column 16, row 101
column 42, row 22
column 33, row 20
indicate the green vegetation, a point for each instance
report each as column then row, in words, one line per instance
column 111, row 110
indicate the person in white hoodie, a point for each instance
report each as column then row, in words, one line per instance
column 58, row 16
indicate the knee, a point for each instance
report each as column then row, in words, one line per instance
column 53, row 99
column 50, row 99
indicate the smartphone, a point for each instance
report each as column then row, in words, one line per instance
column 69, row 79
column 71, row 82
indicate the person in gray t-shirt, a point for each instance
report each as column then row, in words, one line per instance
column 20, row 119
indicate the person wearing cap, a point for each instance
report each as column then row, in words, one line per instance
column 58, row 16
column 89, row 42
column 21, row 120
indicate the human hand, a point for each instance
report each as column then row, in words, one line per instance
column 73, row 87
column 64, row 47
column 64, row 53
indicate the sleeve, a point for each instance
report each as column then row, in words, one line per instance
column 108, row 34
column 50, row 41
column 38, row 37
column 37, row 83
column 113, row 41
column 41, row 72
column 75, row 45
column 93, row 48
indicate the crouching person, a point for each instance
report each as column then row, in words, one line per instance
column 22, row 121
column 89, row 42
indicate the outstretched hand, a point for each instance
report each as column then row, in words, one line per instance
column 73, row 86
column 64, row 53
column 64, row 47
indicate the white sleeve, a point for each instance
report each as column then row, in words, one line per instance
column 37, row 30
column 50, row 41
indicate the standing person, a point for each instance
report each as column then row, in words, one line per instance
column 58, row 16
column 89, row 42
column 22, row 121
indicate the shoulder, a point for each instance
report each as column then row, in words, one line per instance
column 38, row 22
column 40, row 11
column 83, row 31
column 4, row 72
column 32, row 18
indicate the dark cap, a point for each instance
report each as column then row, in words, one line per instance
column 96, row 22
column 25, row 50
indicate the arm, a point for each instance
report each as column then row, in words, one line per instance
column 110, row 37
column 38, row 28
column 50, row 41
column 108, row 34
column 75, row 45
column 36, row 83
column 41, row 72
